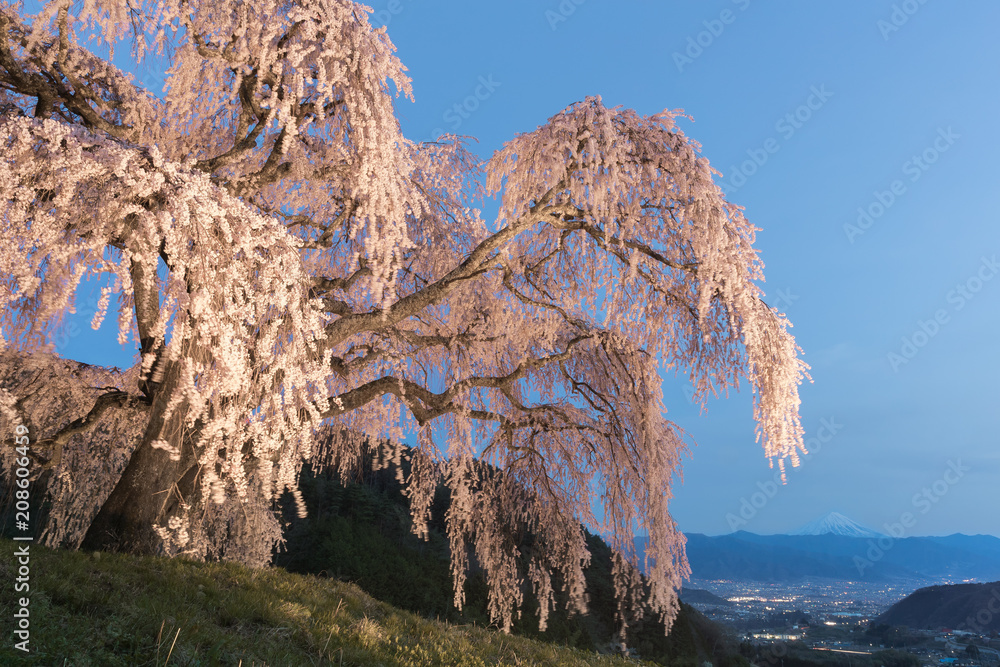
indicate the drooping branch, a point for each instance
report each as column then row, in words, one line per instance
column 72, row 84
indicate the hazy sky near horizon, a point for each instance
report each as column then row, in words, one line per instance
column 861, row 137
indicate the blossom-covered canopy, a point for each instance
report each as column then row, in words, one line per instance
column 290, row 265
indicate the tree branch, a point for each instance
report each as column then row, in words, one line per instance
column 474, row 265
column 56, row 442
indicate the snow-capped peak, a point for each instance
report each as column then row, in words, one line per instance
column 835, row 523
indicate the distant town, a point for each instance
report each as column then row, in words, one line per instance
column 836, row 592
column 829, row 615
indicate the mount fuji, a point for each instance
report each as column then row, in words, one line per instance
column 835, row 523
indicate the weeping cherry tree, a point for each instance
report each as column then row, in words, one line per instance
column 287, row 266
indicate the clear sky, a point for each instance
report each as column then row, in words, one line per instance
column 861, row 137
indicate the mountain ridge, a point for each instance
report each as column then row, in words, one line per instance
column 794, row 558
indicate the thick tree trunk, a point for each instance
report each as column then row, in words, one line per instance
column 152, row 486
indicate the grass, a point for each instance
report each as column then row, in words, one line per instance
column 110, row 609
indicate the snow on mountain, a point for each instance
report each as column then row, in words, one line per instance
column 836, row 523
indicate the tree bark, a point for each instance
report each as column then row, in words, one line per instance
column 153, row 486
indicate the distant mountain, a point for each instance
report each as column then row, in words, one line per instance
column 984, row 544
column 919, row 561
column 835, row 523
column 969, row 607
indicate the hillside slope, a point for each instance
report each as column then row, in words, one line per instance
column 360, row 532
column 392, row 605
column 110, row 610
column 969, row 607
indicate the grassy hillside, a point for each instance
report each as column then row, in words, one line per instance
column 363, row 591
column 108, row 609
column 360, row 532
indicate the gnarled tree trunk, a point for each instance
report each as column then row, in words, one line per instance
column 154, row 485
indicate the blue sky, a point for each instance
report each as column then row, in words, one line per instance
column 862, row 139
